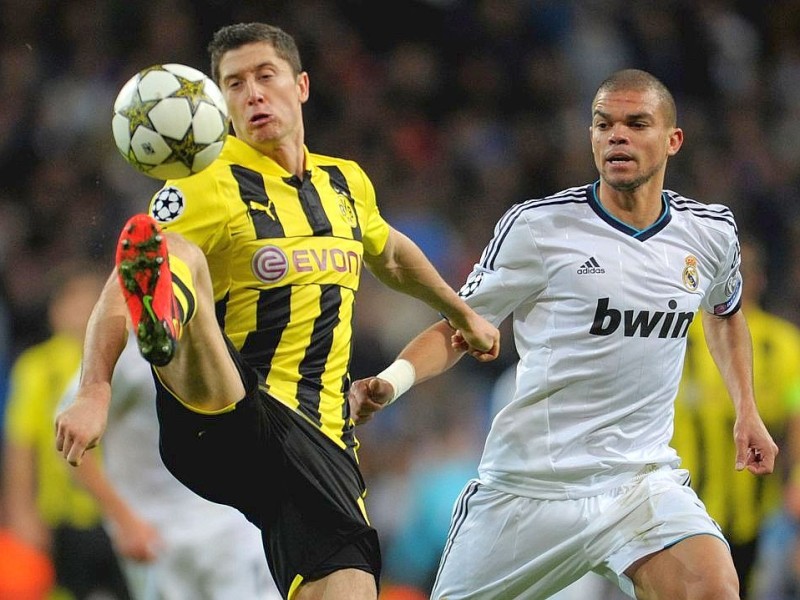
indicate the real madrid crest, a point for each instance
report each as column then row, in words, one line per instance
column 691, row 277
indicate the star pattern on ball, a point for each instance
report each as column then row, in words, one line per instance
column 191, row 90
column 185, row 149
column 139, row 114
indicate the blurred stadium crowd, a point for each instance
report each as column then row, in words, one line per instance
column 456, row 109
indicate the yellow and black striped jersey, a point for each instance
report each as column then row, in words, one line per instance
column 38, row 378
column 704, row 418
column 285, row 256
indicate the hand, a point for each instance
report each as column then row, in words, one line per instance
column 80, row 425
column 136, row 539
column 478, row 338
column 368, row 396
column 484, row 346
column 755, row 449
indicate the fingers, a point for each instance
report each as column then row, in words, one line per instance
column 459, row 343
column 70, row 448
column 756, row 461
column 367, row 396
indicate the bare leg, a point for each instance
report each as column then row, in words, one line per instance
column 697, row 568
column 202, row 373
column 347, row 584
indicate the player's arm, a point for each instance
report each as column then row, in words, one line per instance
column 432, row 352
column 729, row 342
column 19, row 478
column 80, row 425
column 133, row 537
column 404, row 267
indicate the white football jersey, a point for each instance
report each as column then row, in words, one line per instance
column 600, row 314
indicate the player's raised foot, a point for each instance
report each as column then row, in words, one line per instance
column 143, row 271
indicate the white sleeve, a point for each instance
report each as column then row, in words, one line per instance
column 725, row 293
column 510, row 270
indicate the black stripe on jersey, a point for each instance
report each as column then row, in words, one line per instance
column 272, row 316
column 221, row 309
column 568, row 196
column 715, row 212
column 318, row 352
column 190, row 300
column 252, row 189
column 339, row 183
column 311, row 204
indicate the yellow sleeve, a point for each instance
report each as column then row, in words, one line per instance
column 375, row 230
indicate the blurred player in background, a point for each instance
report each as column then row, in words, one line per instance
column 602, row 281
column 173, row 544
column 704, row 418
column 45, row 508
column 776, row 572
column 269, row 242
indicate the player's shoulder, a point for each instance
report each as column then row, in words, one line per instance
column 546, row 206
column 344, row 174
column 349, row 168
column 706, row 215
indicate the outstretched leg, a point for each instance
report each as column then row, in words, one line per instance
column 167, row 288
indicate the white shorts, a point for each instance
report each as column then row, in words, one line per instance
column 219, row 566
column 505, row 546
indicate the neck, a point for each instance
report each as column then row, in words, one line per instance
column 639, row 207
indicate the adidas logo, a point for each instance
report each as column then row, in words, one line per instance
column 590, row 266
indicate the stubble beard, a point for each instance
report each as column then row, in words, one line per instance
column 635, row 183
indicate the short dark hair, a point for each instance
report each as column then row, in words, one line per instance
column 232, row 37
column 635, row 79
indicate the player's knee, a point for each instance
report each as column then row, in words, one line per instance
column 720, row 585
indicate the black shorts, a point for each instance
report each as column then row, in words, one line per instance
column 282, row 473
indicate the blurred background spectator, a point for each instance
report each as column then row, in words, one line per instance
column 43, row 508
column 456, row 109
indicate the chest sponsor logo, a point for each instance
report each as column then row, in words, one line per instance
column 271, row 264
column 641, row 323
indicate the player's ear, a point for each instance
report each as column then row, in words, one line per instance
column 675, row 141
column 303, row 87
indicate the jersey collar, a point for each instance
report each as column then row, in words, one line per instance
column 238, row 152
column 640, row 234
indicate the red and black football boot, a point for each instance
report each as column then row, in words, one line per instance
column 143, row 271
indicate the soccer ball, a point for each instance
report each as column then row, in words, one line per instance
column 170, row 121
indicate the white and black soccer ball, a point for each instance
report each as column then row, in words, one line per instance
column 170, row 121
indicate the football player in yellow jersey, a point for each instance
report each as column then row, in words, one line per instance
column 704, row 418
column 268, row 245
column 44, row 507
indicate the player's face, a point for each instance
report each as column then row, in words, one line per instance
column 264, row 96
column 631, row 138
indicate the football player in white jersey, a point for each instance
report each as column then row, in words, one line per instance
column 602, row 282
column 172, row 544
